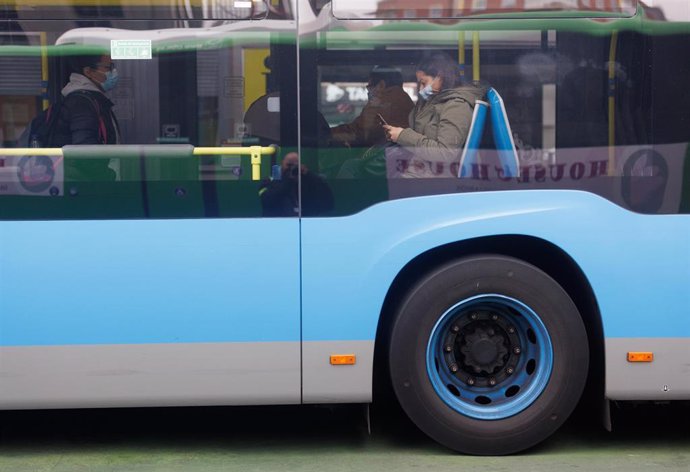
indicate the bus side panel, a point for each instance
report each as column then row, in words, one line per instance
column 117, row 313
column 638, row 267
column 117, row 375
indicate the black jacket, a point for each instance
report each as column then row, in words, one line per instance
column 86, row 117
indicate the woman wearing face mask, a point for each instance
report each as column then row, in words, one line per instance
column 440, row 121
column 86, row 114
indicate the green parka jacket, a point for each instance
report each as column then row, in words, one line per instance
column 438, row 130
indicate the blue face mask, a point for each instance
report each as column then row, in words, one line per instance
column 427, row 92
column 111, row 79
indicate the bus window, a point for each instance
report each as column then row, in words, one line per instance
column 185, row 10
column 402, row 9
column 176, row 124
column 576, row 107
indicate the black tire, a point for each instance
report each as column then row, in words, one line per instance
column 488, row 417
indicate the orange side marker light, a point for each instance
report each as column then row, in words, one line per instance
column 343, row 359
column 640, row 356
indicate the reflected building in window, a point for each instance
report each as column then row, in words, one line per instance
column 402, row 9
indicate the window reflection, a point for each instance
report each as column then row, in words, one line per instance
column 137, row 9
column 410, row 9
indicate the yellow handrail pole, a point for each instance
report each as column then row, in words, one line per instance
column 461, row 53
column 234, row 151
column 44, row 69
column 256, row 162
column 475, row 56
column 31, row 152
column 254, row 151
column 612, row 102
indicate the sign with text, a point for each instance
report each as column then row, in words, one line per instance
column 130, row 49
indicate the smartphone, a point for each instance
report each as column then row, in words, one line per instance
column 383, row 122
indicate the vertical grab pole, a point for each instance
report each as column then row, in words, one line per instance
column 461, row 54
column 44, row 70
column 475, row 56
column 612, row 102
column 255, row 152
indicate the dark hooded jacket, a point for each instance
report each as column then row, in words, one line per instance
column 86, row 117
column 438, row 129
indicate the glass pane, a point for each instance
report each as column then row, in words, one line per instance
column 138, row 9
column 410, row 9
column 153, row 121
column 569, row 104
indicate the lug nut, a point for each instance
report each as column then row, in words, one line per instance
column 473, row 316
column 470, row 381
column 517, row 350
column 453, row 368
column 494, row 317
column 511, row 330
column 455, row 328
column 510, row 371
column 492, row 382
column 449, row 348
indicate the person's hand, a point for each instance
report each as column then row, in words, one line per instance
column 392, row 132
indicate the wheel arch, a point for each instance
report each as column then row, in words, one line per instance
column 543, row 254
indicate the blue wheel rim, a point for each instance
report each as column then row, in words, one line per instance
column 489, row 357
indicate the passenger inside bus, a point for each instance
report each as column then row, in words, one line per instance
column 440, row 120
column 86, row 114
column 387, row 101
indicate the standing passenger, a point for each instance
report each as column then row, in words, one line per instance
column 86, row 114
column 440, row 121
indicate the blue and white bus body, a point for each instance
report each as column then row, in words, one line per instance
column 195, row 312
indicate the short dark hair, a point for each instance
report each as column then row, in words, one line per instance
column 77, row 63
column 389, row 75
column 441, row 65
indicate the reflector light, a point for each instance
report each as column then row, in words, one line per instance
column 640, row 356
column 343, row 359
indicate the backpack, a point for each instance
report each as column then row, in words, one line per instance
column 41, row 131
column 42, row 127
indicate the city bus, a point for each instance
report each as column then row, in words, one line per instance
column 548, row 263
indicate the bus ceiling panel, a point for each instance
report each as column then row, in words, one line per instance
column 187, row 39
column 182, row 10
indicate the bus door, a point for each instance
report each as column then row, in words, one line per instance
column 146, row 270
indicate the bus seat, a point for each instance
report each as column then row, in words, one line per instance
column 503, row 136
column 474, row 137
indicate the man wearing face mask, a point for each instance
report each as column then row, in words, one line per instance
column 387, row 100
column 86, row 114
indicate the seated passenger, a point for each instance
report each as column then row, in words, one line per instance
column 440, row 121
column 387, row 99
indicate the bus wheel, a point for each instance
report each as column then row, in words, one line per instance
column 488, row 355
